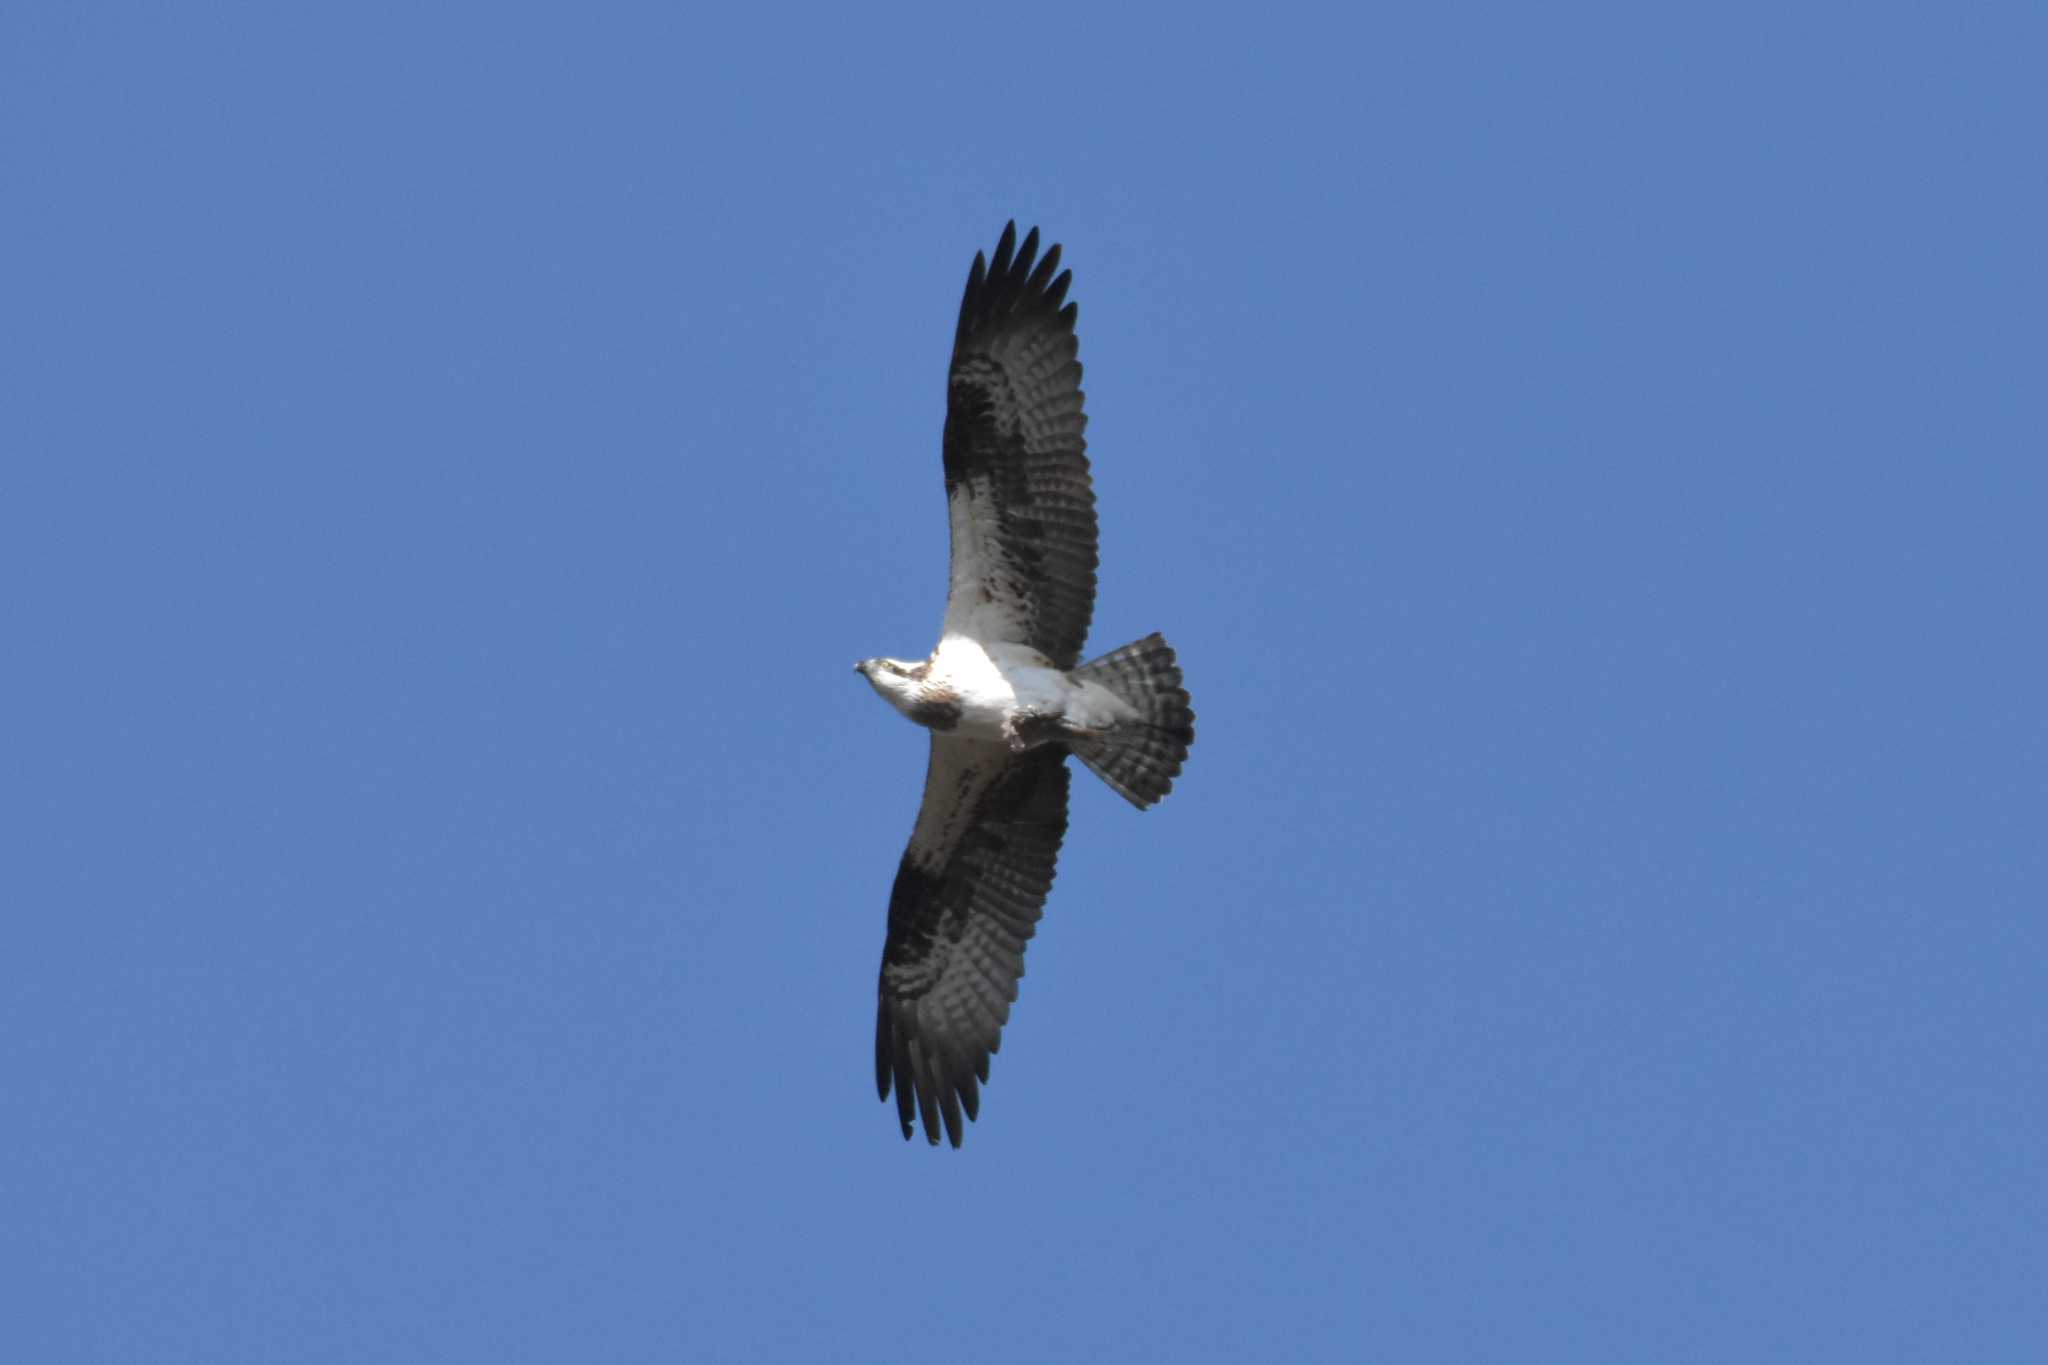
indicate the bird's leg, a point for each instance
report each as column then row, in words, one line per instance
column 1028, row 729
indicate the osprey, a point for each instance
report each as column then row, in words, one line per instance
column 1005, row 694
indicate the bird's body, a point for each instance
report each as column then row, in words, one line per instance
column 1004, row 694
column 997, row 690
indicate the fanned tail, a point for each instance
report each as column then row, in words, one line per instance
column 1140, row 758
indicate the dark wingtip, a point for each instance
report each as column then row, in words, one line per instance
column 949, row 1109
column 969, row 296
column 884, row 1052
column 1016, row 279
column 1047, row 264
column 928, row 1097
column 1027, row 251
column 1006, row 245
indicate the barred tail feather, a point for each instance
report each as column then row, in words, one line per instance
column 1140, row 758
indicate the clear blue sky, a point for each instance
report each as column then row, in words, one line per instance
column 1591, row 462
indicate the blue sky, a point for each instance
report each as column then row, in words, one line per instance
column 1590, row 460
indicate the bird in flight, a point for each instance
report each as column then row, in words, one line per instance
column 1004, row 694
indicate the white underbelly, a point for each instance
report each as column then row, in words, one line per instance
column 997, row 683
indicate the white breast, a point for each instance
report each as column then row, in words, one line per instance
column 996, row 681
column 965, row 668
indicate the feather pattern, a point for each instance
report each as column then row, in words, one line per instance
column 1018, row 491
column 967, row 899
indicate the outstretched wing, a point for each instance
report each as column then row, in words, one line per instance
column 1017, row 487
column 967, row 899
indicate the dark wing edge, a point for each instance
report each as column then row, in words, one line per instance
column 1016, row 457
column 959, row 919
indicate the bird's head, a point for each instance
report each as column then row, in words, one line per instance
column 893, row 678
